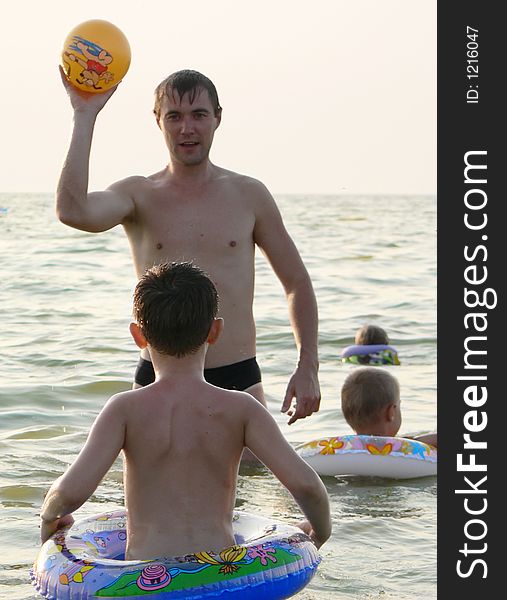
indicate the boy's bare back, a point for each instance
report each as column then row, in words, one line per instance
column 183, row 445
column 182, row 438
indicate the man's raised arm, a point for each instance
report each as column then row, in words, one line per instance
column 75, row 207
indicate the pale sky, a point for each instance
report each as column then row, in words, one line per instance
column 322, row 96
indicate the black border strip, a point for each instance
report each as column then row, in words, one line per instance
column 477, row 540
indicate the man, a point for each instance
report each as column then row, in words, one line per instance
column 195, row 210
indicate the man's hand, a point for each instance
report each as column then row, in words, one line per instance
column 304, row 387
column 48, row 528
column 82, row 100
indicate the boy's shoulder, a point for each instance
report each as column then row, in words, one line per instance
column 240, row 404
column 123, row 402
column 118, row 402
column 235, row 397
column 236, row 403
column 154, row 392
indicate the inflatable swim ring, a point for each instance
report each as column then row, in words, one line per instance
column 271, row 560
column 370, row 354
column 393, row 457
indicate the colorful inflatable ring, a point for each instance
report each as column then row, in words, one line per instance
column 370, row 354
column 271, row 560
column 95, row 56
column 375, row 456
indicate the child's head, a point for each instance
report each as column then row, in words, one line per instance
column 174, row 306
column 371, row 334
column 371, row 402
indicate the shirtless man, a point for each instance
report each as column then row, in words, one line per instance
column 195, row 210
column 179, row 425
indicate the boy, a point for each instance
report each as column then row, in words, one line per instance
column 371, row 404
column 181, row 437
column 371, row 334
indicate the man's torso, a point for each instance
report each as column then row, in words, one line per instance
column 213, row 226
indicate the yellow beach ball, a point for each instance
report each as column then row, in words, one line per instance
column 95, row 56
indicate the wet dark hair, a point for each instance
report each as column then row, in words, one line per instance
column 186, row 82
column 174, row 306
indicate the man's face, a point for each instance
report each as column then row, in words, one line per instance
column 188, row 128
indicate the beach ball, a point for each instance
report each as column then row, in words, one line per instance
column 95, row 56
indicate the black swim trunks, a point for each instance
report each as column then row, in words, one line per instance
column 238, row 376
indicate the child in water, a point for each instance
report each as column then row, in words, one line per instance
column 371, row 334
column 181, row 437
column 370, row 400
column 371, row 347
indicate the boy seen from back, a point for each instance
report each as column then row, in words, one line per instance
column 371, row 334
column 182, row 438
column 370, row 399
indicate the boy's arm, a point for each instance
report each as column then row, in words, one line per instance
column 266, row 441
column 77, row 484
column 427, row 438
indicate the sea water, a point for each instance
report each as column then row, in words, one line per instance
column 65, row 299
